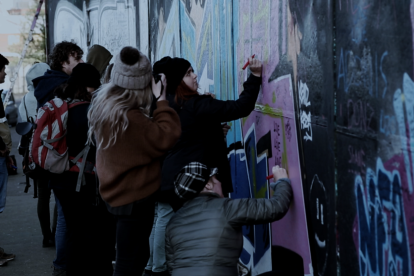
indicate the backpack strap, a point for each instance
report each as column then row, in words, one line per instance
column 81, row 178
column 73, row 104
column 47, row 143
column 25, row 108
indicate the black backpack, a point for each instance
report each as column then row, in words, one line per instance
column 25, row 129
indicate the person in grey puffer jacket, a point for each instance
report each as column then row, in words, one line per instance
column 205, row 236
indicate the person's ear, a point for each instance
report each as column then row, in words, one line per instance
column 209, row 185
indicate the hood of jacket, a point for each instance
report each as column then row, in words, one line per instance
column 46, row 84
column 99, row 57
column 37, row 70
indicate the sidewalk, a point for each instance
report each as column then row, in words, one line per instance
column 20, row 232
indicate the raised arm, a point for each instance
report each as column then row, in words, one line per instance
column 206, row 106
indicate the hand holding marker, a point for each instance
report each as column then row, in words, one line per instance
column 278, row 172
column 247, row 63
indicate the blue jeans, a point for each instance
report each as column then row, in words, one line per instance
column 157, row 261
column 3, row 183
column 60, row 239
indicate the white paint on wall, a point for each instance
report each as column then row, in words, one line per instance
column 143, row 27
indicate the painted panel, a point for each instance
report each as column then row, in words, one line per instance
column 261, row 31
column 375, row 106
column 164, row 27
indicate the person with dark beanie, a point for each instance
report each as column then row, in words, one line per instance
column 90, row 227
column 202, row 138
column 130, row 145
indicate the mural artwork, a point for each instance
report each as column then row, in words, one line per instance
column 336, row 109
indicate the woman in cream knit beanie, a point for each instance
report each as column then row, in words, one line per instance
column 129, row 148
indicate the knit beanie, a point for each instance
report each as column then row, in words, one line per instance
column 132, row 69
column 99, row 57
column 174, row 70
column 86, row 75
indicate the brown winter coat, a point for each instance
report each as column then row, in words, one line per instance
column 130, row 170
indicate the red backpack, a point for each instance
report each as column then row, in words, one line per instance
column 48, row 150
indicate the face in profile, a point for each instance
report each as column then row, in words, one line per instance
column 3, row 74
column 72, row 61
column 190, row 79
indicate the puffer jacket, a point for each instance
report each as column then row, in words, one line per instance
column 205, row 238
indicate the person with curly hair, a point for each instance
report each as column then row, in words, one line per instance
column 64, row 57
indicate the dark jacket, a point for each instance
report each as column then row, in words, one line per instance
column 202, row 138
column 46, row 84
column 205, row 236
column 77, row 129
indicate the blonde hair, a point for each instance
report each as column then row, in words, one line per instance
column 109, row 107
column 107, row 76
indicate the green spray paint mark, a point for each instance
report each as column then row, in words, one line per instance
column 272, row 112
column 274, row 97
column 276, row 113
column 256, row 193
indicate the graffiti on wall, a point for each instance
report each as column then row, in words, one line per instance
column 375, row 108
column 383, row 236
column 164, row 23
column 111, row 24
column 218, row 36
column 270, row 139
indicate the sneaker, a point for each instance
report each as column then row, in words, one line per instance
column 8, row 257
column 5, row 256
column 58, row 272
column 3, row 262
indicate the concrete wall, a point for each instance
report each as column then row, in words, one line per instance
column 335, row 109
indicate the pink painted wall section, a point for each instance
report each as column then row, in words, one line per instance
column 291, row 231
column 259, row 25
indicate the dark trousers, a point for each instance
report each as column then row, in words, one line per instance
column 43, row 209
column 132, row 239
column 90, row 230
